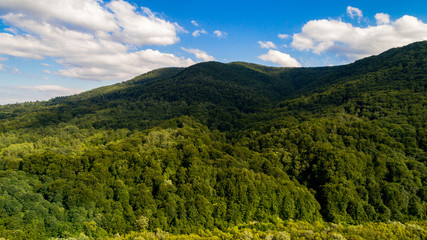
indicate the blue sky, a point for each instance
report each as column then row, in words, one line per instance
column 53, row 48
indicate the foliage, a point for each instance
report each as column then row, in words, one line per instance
column 225, row 151
column 301, row 230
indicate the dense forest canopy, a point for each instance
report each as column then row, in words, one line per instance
column 215, row 146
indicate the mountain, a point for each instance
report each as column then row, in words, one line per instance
column 216, row 145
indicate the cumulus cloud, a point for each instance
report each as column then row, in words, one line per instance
column 354, row 12
column 197, row 33
column 199, row 54
column 283, row 59
column 194, row 23
column 350, row 42
column 82, row 14
column 141, row 28
column 282, row 36
column 91, row 40
column 119, row 65
column 266, row 44
column 382, row 18
column 220, row 34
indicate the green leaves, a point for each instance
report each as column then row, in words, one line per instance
column 218, row 145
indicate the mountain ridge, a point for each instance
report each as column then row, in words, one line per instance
column 359, row 64
column 215, row 146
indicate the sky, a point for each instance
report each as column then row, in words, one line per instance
column 51, row 48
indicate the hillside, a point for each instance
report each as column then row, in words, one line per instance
column 218, row 145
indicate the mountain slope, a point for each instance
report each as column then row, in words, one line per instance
column 212, row 91
column 215, row 145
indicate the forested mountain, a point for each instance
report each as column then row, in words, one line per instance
column 218, row 145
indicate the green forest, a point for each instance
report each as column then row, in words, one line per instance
column 225, row 151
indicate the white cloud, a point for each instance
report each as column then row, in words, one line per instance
column 85, row 14
column 1, row 65
column 16, row 70
column 266, row 44
column 197, row 33
column 45, row 64
column 4, row 99
column 117, row 17
column 283, row 59
column 142, row 28
column 220, row 34
column 354, row 12
column 119, row 65
column 199, row 54
column 12, row 30
column 350, row 42
column 55, row 90
column 382, row 18
column 194, row 23
column 90, row 39
column 46, row 71
column 12, row 94
column 282, row 36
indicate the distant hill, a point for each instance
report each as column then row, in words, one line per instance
column 215, row 145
